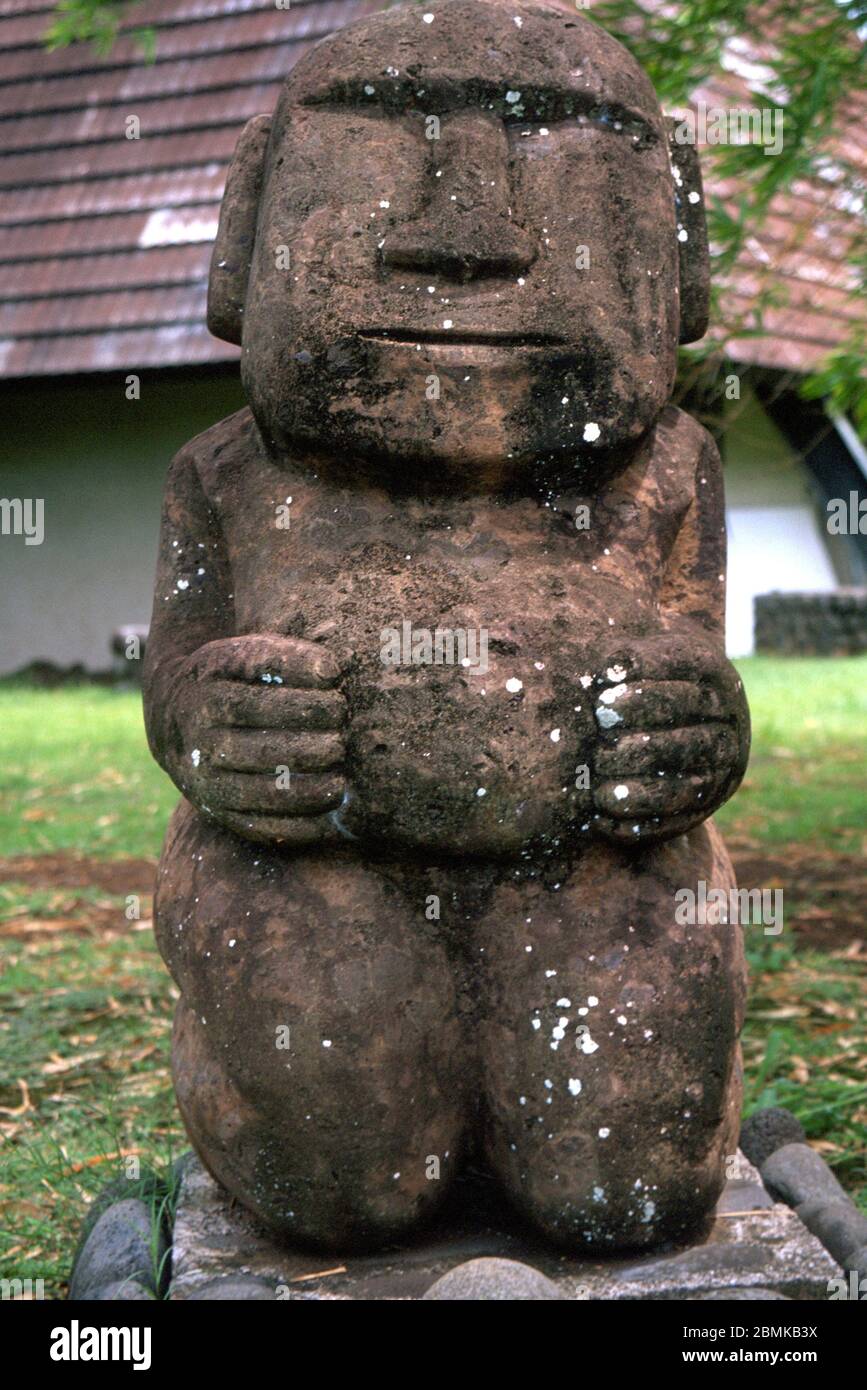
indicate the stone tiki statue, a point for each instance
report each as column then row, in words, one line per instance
column 437, row 653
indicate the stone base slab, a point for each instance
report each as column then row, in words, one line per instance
column 753, row 1248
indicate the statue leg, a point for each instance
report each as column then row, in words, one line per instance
column 609, row 1040
column 317, row 1049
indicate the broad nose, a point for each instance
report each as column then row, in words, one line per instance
column 466, row 229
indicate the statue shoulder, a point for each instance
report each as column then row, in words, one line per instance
column 684, row 452
column 221, row 450
column 682, row 441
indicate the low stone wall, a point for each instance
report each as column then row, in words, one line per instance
column 831, row 624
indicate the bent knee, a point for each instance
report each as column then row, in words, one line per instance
column 582, row 1197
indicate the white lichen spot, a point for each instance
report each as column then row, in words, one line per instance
column 513, row 685
column 574, row 1086
column 591, row 432
column 555, row 736
column 621, row 792
column 607, row 717
column 604, row 1133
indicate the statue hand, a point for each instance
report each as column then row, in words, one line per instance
column 673, row 737
column 257, row 720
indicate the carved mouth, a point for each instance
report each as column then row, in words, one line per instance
column 460, row 338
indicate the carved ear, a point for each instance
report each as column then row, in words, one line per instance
column 233, row 249
column 692, row 248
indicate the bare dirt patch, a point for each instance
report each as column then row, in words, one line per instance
column 823, row 892
column 62, row 870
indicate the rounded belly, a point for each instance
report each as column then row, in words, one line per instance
column 461, row 760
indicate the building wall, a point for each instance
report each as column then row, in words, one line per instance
column 775, row 541
column 99, row 462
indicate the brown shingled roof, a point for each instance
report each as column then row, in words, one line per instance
column 105, row 241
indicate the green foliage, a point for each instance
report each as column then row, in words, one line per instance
column 815, row 59
column 96, row 22
column 841, row 381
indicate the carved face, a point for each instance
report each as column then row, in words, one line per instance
column 466, row 250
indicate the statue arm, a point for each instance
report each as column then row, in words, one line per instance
column 247, row 725
column 192, row 604
column 680, row 743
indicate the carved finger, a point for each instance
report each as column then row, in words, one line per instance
column 657, row 705
column 233, row 704
column 266, row 659
column 636, row 831
column 669, row 751
column 642, row 798
column 666, row 656
column 255, row 750
column 280, row 794
column 281, row 830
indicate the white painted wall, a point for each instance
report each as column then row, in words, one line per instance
column 99, row 462
column 774, row 539
column 770, row 548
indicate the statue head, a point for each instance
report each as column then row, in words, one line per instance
column 461, row 240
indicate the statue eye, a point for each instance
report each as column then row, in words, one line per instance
column 640, row 134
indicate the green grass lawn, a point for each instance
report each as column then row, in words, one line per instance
column 76, row 774
column 806, row 778
column 86, row 1004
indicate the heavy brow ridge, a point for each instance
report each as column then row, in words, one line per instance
column 530, row 102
